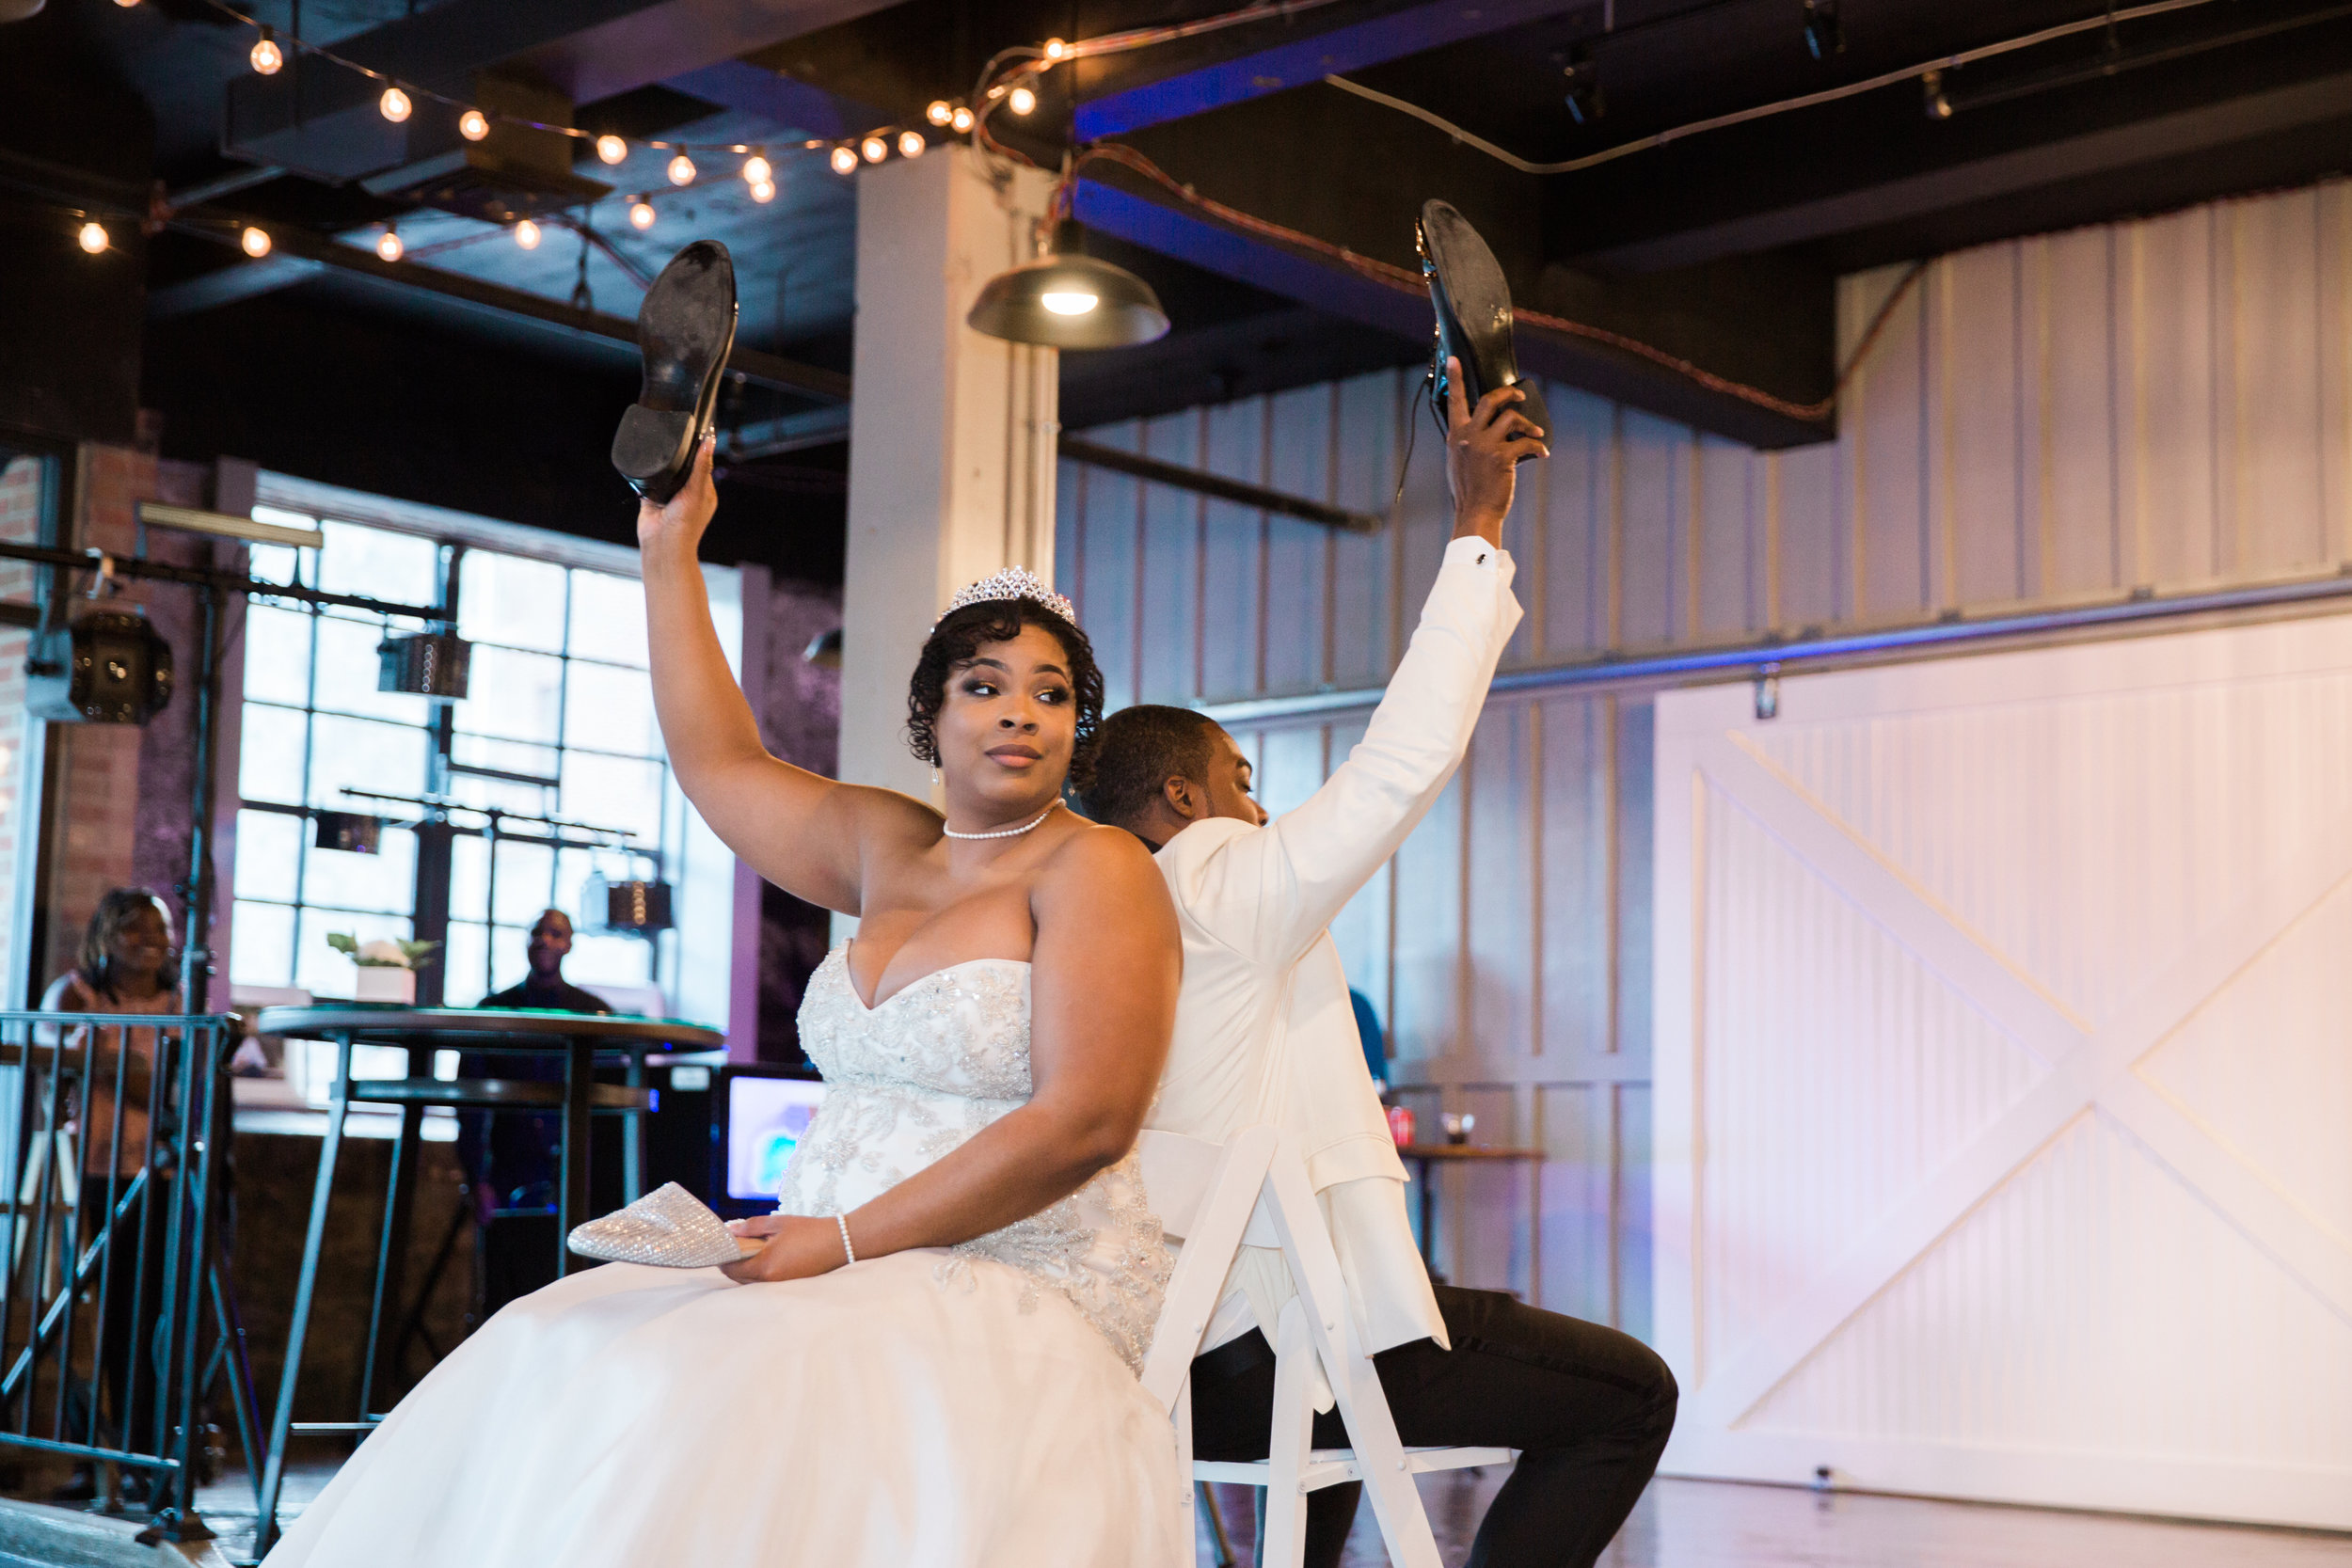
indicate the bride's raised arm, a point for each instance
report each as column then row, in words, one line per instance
column 1103, row 1003
column 802, row 830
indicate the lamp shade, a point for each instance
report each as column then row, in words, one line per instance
column 1069, row 301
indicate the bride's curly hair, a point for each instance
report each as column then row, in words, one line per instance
column 959, row 635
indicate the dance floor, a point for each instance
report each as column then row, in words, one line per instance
column 1699, row 1523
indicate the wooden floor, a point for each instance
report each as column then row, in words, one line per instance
column 1698, row 1524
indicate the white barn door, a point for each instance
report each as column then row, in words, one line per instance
column 2004, row 1075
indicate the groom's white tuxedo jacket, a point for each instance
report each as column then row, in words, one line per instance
column 1263, row 1029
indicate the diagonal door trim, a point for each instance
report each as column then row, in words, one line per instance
column 2088, row 1071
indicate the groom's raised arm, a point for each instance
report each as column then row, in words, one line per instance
column 1273, row 892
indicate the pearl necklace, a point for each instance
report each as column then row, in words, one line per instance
column 1003, row 833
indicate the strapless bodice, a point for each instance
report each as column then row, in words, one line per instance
column 909, row 1080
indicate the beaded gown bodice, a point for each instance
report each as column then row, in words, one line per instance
column 909, row 1080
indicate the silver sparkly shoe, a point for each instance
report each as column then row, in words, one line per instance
column 669, row 1228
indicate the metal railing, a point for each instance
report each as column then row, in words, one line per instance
column 115, row 1324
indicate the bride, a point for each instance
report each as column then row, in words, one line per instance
column 932, row 1360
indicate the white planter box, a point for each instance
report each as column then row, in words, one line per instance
column 383, row 983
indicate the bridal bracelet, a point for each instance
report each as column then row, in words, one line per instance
column 843, row 1221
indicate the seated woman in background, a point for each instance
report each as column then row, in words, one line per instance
column 125, row 968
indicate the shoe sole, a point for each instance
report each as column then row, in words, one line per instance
column 1473, row 306
column 686, row 330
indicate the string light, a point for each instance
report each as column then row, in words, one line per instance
column 876, row 149
column 93, row 237
column 387, row 244
column 126, row 5
column 474, row 125
column 641, row 215
column 266, row 56
column 757, row 172
column 256, row 243
column 911, row 144
column 681, row 170
column 843, row 160
column 940, row 111
column 526, row 235
column 1021, row 100
column 961, row 121
column 394, row 103
column 612, row 149
column 764, row 191
column 1056, row 49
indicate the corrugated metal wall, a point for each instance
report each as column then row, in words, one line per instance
column 2167, row 402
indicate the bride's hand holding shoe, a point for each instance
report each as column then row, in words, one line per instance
column 798, row 1247
column 678, row 524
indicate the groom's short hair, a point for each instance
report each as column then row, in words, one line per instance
column 1140, row 749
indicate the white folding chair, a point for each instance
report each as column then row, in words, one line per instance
column 1254, row 1191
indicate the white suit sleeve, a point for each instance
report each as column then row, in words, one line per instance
column 1272, row 893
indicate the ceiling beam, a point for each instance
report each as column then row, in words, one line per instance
column 1115, row 102
column 788, row 104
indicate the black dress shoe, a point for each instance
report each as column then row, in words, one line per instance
column 1473, row 313
column 686, row 329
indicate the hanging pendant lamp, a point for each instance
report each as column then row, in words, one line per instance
column 1068, row 299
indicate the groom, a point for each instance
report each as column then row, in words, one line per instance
column 1264, row 1033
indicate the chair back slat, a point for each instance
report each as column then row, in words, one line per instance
column 1214, row 1213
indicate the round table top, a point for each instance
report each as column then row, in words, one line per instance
column 479, row 1027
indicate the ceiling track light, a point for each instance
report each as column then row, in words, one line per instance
column 266, row 57
column 394, row 104
column 1824, row 33
column 1936, row 105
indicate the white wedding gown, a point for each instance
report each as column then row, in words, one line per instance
column 967, row 1407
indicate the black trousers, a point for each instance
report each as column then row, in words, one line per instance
column 1589, row 1409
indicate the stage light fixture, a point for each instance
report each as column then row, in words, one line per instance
column 1824, row 35
column 641, row 215
column 843, row 160
column 630, row 907
column 1068, row 299
column 394, row 104
column 681, row 170
column 349, row 831
column 764, row 192
column 758, row 170
column 424, row 664
column 526, row 235
column 875, row 149
column 610, row 149
column 108, row 667
column 911, row 144
column 474, row 125
column 940, row 111
column 1021, row 100
column 256, row 243
column 266, row 56
column 961, row 121
column 1936, row 105
column 93, row 237
column 389, row 246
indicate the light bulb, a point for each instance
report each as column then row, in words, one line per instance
column 911, row 144
column 757, row 172
column 394, row 103
column 1021, row 100
column 764, row 191
column 1070, row 304
column 93, row 237
column 526, row 235
column 388, row 245
column 843, row 160
column 681, row 170
column 641, row 214
column 875, row 149
column 940, row 111
column 612, row 149
column 266, row 56
column 474, row 125
column 961, row 121
column 126, row 5
column 256, row 243
column 1056, row 49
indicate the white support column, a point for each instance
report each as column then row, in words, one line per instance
column 951, row 434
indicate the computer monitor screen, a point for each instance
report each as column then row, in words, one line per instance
column 766, row 1118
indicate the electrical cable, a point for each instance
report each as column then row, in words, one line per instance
column 1761, row 111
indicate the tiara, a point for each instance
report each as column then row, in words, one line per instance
column 1013, row 583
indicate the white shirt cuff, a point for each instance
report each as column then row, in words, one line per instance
column 1474, row 551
